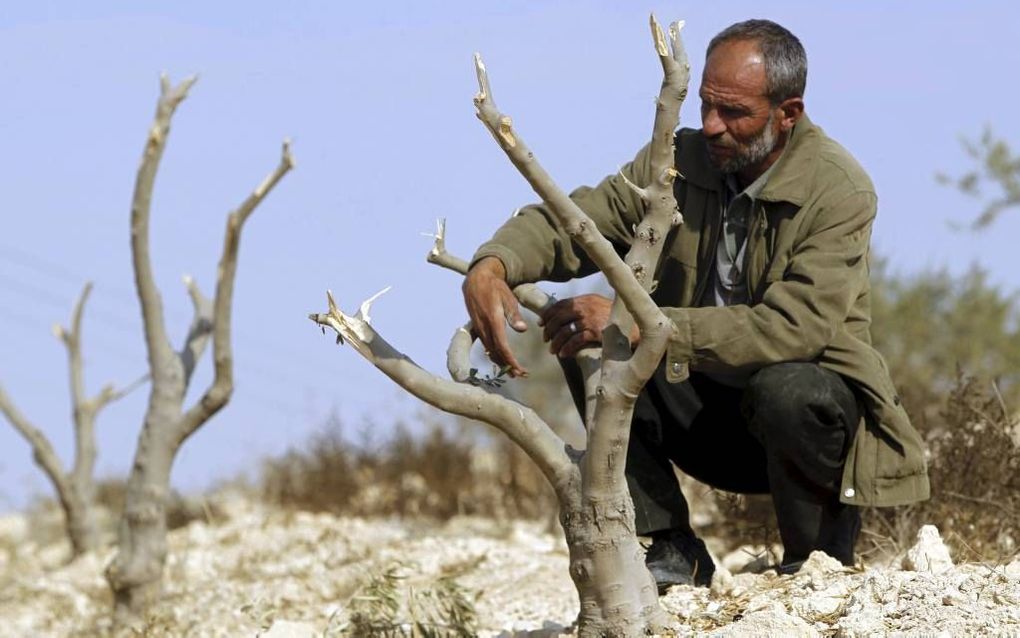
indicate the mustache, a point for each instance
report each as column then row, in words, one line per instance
column 724, row 142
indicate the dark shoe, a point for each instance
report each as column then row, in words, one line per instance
column 679, row 558
column 788, row 569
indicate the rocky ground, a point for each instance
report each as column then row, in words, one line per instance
column 251, row 570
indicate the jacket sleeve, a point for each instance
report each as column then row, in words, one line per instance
column 534, row 247
column 799, row 314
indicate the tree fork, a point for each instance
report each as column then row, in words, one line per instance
column 75, row 488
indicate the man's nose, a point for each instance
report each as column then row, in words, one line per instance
column 711, row 124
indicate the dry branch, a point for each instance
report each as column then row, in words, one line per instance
column 42, row 450
column 157, row 345
column 519, row 422
column 218, row 393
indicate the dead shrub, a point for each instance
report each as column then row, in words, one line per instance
column 446, row 471
column 974, row 466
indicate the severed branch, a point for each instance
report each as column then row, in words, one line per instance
column 662, row 213
column 439, row 256
column 531, row 296
column 219, row 391
column 518, row 422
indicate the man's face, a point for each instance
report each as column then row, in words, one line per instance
column 738, row 119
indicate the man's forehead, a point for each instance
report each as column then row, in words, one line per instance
column 737, row 65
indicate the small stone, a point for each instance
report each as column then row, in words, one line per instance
column 1013, row 569
column 290, row 629
column 954, row 598
column 929, row 555
column 819, row 563
column 722, row 581
column 14, row 529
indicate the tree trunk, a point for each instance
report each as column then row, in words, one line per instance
column 135, row 575
column 617, row 594
column 79, row 514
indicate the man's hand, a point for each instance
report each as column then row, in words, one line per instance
column 491, row 304
column 574, row 323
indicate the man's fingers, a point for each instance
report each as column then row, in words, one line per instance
column 514, row 318
column 502, row 355
column 574, row 344
column 565, row 334
column 556, row 317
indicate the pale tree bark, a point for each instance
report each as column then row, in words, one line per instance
column 75, row 488
column 617, row 594
column 135, row 575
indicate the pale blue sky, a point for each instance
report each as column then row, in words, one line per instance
column 377, row 99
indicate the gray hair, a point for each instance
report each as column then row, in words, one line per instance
column 784, row 56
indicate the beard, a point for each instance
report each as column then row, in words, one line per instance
column 747, row 154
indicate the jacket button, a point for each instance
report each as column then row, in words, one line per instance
column 849, row 493
column 676, row 367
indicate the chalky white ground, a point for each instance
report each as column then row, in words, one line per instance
column 260, row 571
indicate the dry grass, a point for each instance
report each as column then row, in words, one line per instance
column 443, row 473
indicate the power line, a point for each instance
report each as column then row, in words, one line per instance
column 42, row 265
column 271, row 371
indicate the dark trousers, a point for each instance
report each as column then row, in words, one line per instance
column 787, row 433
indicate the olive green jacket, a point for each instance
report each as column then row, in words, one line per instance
column 807, row 275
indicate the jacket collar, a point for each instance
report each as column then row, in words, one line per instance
column 791, row 176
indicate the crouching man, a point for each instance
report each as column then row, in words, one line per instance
column 767, row 280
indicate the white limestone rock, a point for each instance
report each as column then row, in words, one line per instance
column 771, row 621
column 929, row 555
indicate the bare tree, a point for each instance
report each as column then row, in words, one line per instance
column 617, row 594
column 135, row 575
column 75, row 488
column 997, row 169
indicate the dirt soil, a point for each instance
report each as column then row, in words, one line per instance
column 251, row 570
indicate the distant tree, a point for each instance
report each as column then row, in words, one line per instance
column 75, row 488
column 933, row 326
column 997, row 169
column 617, row 594
column 136, row 573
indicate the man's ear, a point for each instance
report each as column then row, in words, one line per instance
column 790, row 112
